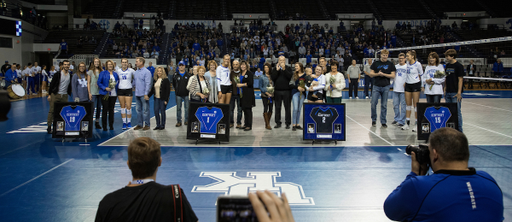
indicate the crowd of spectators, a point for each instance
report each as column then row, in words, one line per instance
column 132, row 43
column 196, row 44
column 306, row 41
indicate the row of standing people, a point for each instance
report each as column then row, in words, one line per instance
column 410, row 80
column 104, row 87
column 233, row 83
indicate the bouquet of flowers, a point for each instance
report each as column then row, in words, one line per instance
column 302, row 83
column 112, row 86
column 332, row 80
column 270, row 90
column 206, row 91
column 439, row 75
column 237, row 81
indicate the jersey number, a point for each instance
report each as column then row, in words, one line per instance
column 72, row 119
column 323, row 119
column 438, row 119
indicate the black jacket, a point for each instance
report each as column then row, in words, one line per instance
column 469, row 69
column 180, row 84
column 281, row 78
column 165, row 90
column 55, row 84
column 248, row 99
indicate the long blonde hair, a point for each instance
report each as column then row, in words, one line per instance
column 93, row 68
column 156, row 73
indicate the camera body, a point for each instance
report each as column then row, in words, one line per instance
column 235, row 208
column 421, row 151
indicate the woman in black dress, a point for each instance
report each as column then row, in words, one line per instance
column 247, row 99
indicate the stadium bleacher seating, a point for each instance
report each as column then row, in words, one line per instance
column 408, row 10
column 102, row 9
column 196, row 9
column 441, row 6
column 250, row 6
column 346, row 6
column 309, row 9
column 72, row 37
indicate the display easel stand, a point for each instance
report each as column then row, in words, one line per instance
column 335, row 141
column 210, row 140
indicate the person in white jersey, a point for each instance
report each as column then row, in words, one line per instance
column 398, row 92
column 36, row 69
column 125, row 94
column 433, row 87
column 223, row 76
column 45, row 80
column 412, row 87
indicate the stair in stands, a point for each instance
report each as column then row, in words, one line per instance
column 375, row 10
column 491, row 12
column 164, row 52
column 428, row 9
column 324, row 9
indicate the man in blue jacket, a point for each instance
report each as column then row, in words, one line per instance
column 497, row 68
column 454, row 192
column 10, row 76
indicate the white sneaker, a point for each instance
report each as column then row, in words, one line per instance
column 350, row 97
column 405, row 127
column 367, row 97
column 357, row 97
column 414, row 128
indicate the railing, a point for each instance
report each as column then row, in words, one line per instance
column 86, row 58
column 58, row 53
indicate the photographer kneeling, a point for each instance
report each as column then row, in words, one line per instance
column 455, row 192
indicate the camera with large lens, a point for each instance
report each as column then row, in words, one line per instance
column 421, row 151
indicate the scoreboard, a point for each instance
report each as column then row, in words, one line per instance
column 10, row 27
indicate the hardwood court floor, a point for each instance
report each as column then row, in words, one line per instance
column 48, row 180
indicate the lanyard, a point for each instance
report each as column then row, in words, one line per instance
column 142, row 181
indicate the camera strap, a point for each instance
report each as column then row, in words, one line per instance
column 178, row 202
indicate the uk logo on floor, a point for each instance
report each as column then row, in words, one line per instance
column 231, row 184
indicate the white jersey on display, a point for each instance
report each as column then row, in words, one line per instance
column 398, row 84
column 414, row 71
column 125, row 78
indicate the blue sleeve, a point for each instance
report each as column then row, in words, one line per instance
column 403, row 202
column 101, row 83
column 147, row 81
column 9, row 75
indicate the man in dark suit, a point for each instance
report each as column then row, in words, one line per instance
column 281, row 76
column 471, row 72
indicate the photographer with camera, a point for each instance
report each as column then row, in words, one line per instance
column 454, row 192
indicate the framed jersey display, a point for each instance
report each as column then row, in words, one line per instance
column 208, row 121
column 72, row 120
column 324, row 121
column 434, row 116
